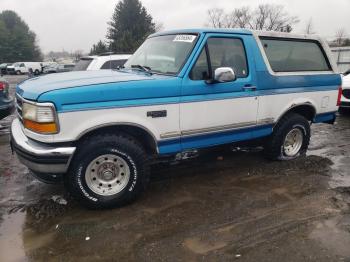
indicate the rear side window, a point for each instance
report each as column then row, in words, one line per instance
column 292, row 55
column 83, row 64
column 113, row 64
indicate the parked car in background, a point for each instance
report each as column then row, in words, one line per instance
column 58, row 68
column 6, row 102
column 21, row 68
column 106, row 61
column 3, row 68
column 180, row 92
column 47, row 64
column 345, row 99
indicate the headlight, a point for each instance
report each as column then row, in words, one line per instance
column 40, row 118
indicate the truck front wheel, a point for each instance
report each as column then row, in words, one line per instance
column 290, row 138
column 108, row 171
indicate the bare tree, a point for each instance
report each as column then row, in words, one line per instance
column 272, row 17
column 239, row 17
column 77, row 54
column 268, row 17
column 216, row 18
column 309, row 28
column 339, row 36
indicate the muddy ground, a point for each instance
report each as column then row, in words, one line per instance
column 223, row 206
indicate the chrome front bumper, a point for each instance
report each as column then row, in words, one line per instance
column 39, row 157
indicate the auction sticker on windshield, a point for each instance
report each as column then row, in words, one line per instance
column 185, row 38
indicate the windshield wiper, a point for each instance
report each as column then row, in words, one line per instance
column 143, row 68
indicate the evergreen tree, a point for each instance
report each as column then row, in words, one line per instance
column 18, row 42
column 99, row 48
column 129, row 26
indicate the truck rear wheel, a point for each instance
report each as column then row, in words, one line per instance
column 290, row 138
column 108, row 171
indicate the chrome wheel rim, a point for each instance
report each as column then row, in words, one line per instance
column 293, row 142
column 107, row 175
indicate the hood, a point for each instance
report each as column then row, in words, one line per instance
column 34, row 87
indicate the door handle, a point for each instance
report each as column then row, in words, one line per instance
column 249, row 87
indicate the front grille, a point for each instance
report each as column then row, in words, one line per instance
column 19, row 105
column 346, row 93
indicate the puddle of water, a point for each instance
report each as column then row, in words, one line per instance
column 333, row 144
column 11, row 241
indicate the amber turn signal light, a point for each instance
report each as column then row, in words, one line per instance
column 43, row 128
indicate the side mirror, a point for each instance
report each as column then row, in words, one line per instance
column 224, row 74
column 347, row 72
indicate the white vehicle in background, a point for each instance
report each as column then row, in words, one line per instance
column 345, row 99
column 58, row 68
column 47, row 64
column 104, row 61
column 21, row 68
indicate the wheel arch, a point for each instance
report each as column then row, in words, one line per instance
column 306, row 109
column 140, row 133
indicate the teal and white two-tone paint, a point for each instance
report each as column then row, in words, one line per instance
column 198, row 114
column 180, row 92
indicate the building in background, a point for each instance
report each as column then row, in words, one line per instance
column 342, row 57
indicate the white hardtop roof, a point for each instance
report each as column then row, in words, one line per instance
column 115, row 56
column 286, row 35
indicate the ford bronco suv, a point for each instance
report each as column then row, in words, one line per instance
column 99, row 131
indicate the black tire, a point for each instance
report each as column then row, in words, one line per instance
column 18, row 72
column 274, row 145
column 36, row 72
column 122, row 146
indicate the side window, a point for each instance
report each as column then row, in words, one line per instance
column 113, row 64
column 228, row 52
column 289, row 55
column 223, row 52
column 200, row 71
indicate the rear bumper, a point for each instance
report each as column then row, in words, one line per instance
column 38, row 157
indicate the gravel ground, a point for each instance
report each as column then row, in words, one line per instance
column 222, row 206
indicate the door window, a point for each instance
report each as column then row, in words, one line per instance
column 223, row 52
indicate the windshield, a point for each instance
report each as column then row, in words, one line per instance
column 163, row 54
column 83, row 64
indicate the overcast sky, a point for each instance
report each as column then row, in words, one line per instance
column 77, row 24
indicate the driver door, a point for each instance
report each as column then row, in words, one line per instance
column 219, row 113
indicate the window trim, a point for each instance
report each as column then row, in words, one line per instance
column 206, row 47
column 297, row 40
column 322, row 44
